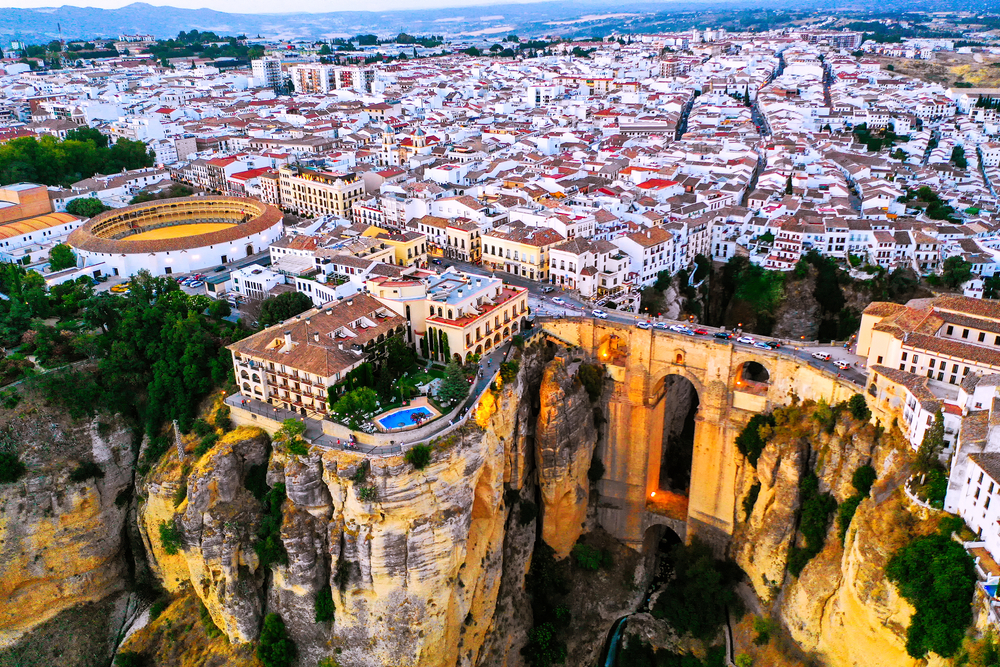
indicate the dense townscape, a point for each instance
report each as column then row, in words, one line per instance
column 371, row 227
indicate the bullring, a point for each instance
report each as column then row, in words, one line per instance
column 177, row 235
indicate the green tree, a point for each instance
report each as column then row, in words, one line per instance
column 61, row 256
column 275, row 309
column 276, row 648
column 958, row 157
column 219, row 308
column 86, row 207
column 325, row 50
column 931, row 446
column 454, row 387
column 936, row 575
column 419, row 456
column 858, row 407
column 955, row 271
column 11, row 468
column 701, row 590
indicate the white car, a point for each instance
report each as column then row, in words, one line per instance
column 822, row 356
column 841, row 364
column 677, row 328
column 746, row 340
column 559, row 300
column 643, row 325
column 660, row 325
column 600, row 314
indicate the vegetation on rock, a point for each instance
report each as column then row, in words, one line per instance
column 276, row 648
column 751, row 441
column 696, row 599
column 419, row 456
column 814, row 520
column 936, row 575
column 323, row 604
column 268, row 545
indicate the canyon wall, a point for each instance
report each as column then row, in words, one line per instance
column 62, row 540
column 840, row 609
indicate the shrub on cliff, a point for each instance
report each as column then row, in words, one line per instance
column 276, row 648
column 11, row 468
column 750, row 442
column 170, row 537
column 269, row 547
column 130, row 659
column 86, row 470
column 323, row 605
column 695, row 602
column 592, row 378
column 419, row 456
column 858, row 407
column 814, row 520
column 936, row 575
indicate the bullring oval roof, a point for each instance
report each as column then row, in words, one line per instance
column 85, row 239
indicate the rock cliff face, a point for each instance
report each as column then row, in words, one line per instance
column 840, row 609
column 216, row 516
column 564, row 446
column 414, row 571
column 61, row 541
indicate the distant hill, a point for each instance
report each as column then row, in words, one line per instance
column 576, row 18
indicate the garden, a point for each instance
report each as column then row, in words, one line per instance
column 370, row 392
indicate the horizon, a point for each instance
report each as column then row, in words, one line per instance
column 262, row 7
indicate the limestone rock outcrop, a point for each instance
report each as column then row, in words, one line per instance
column 62, row 541
column 841, row 608
column 564, row 446
column 217, row 517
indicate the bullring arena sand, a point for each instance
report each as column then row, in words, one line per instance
column 178, row 231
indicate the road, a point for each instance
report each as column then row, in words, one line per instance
column 543, row 306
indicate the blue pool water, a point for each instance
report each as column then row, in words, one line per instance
column 403, row 417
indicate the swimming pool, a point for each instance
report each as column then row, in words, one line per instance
column 403, row 417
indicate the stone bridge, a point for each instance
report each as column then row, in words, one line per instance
column 732, row 382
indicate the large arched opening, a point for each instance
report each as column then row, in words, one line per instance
column 680, row 407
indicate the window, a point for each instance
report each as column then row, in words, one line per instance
column 879, row 360
column 965, row 333
column 904, row 356
column 982, row 337
column 954, row 368
column 950, row 330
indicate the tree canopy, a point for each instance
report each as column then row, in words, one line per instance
column 86, row 207
column 279, row 308
column 49, row 161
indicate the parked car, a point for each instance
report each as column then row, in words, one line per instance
column 120, row 288
column 662, row 326
column 196, row 283
column 643, row 325
column 559, row 300
column 722, row 335
column 822, row 356
column 761, row 345
column 746, row 340
column 435, row 261
column 599, row 314
column 219, row 269
column 546, row 290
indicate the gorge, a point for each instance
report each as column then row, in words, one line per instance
column 608, row 438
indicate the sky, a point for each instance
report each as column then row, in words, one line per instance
column 265, row 6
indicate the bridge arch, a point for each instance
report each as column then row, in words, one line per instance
column 671, row 445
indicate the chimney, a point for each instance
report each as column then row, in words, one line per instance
column 288, row 342
column 350, row 302
column 315, row 336
column 340, row 346
column 308, row 320
column 649, row 234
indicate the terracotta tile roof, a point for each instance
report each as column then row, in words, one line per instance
column 324, row 341
column 916, row 384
